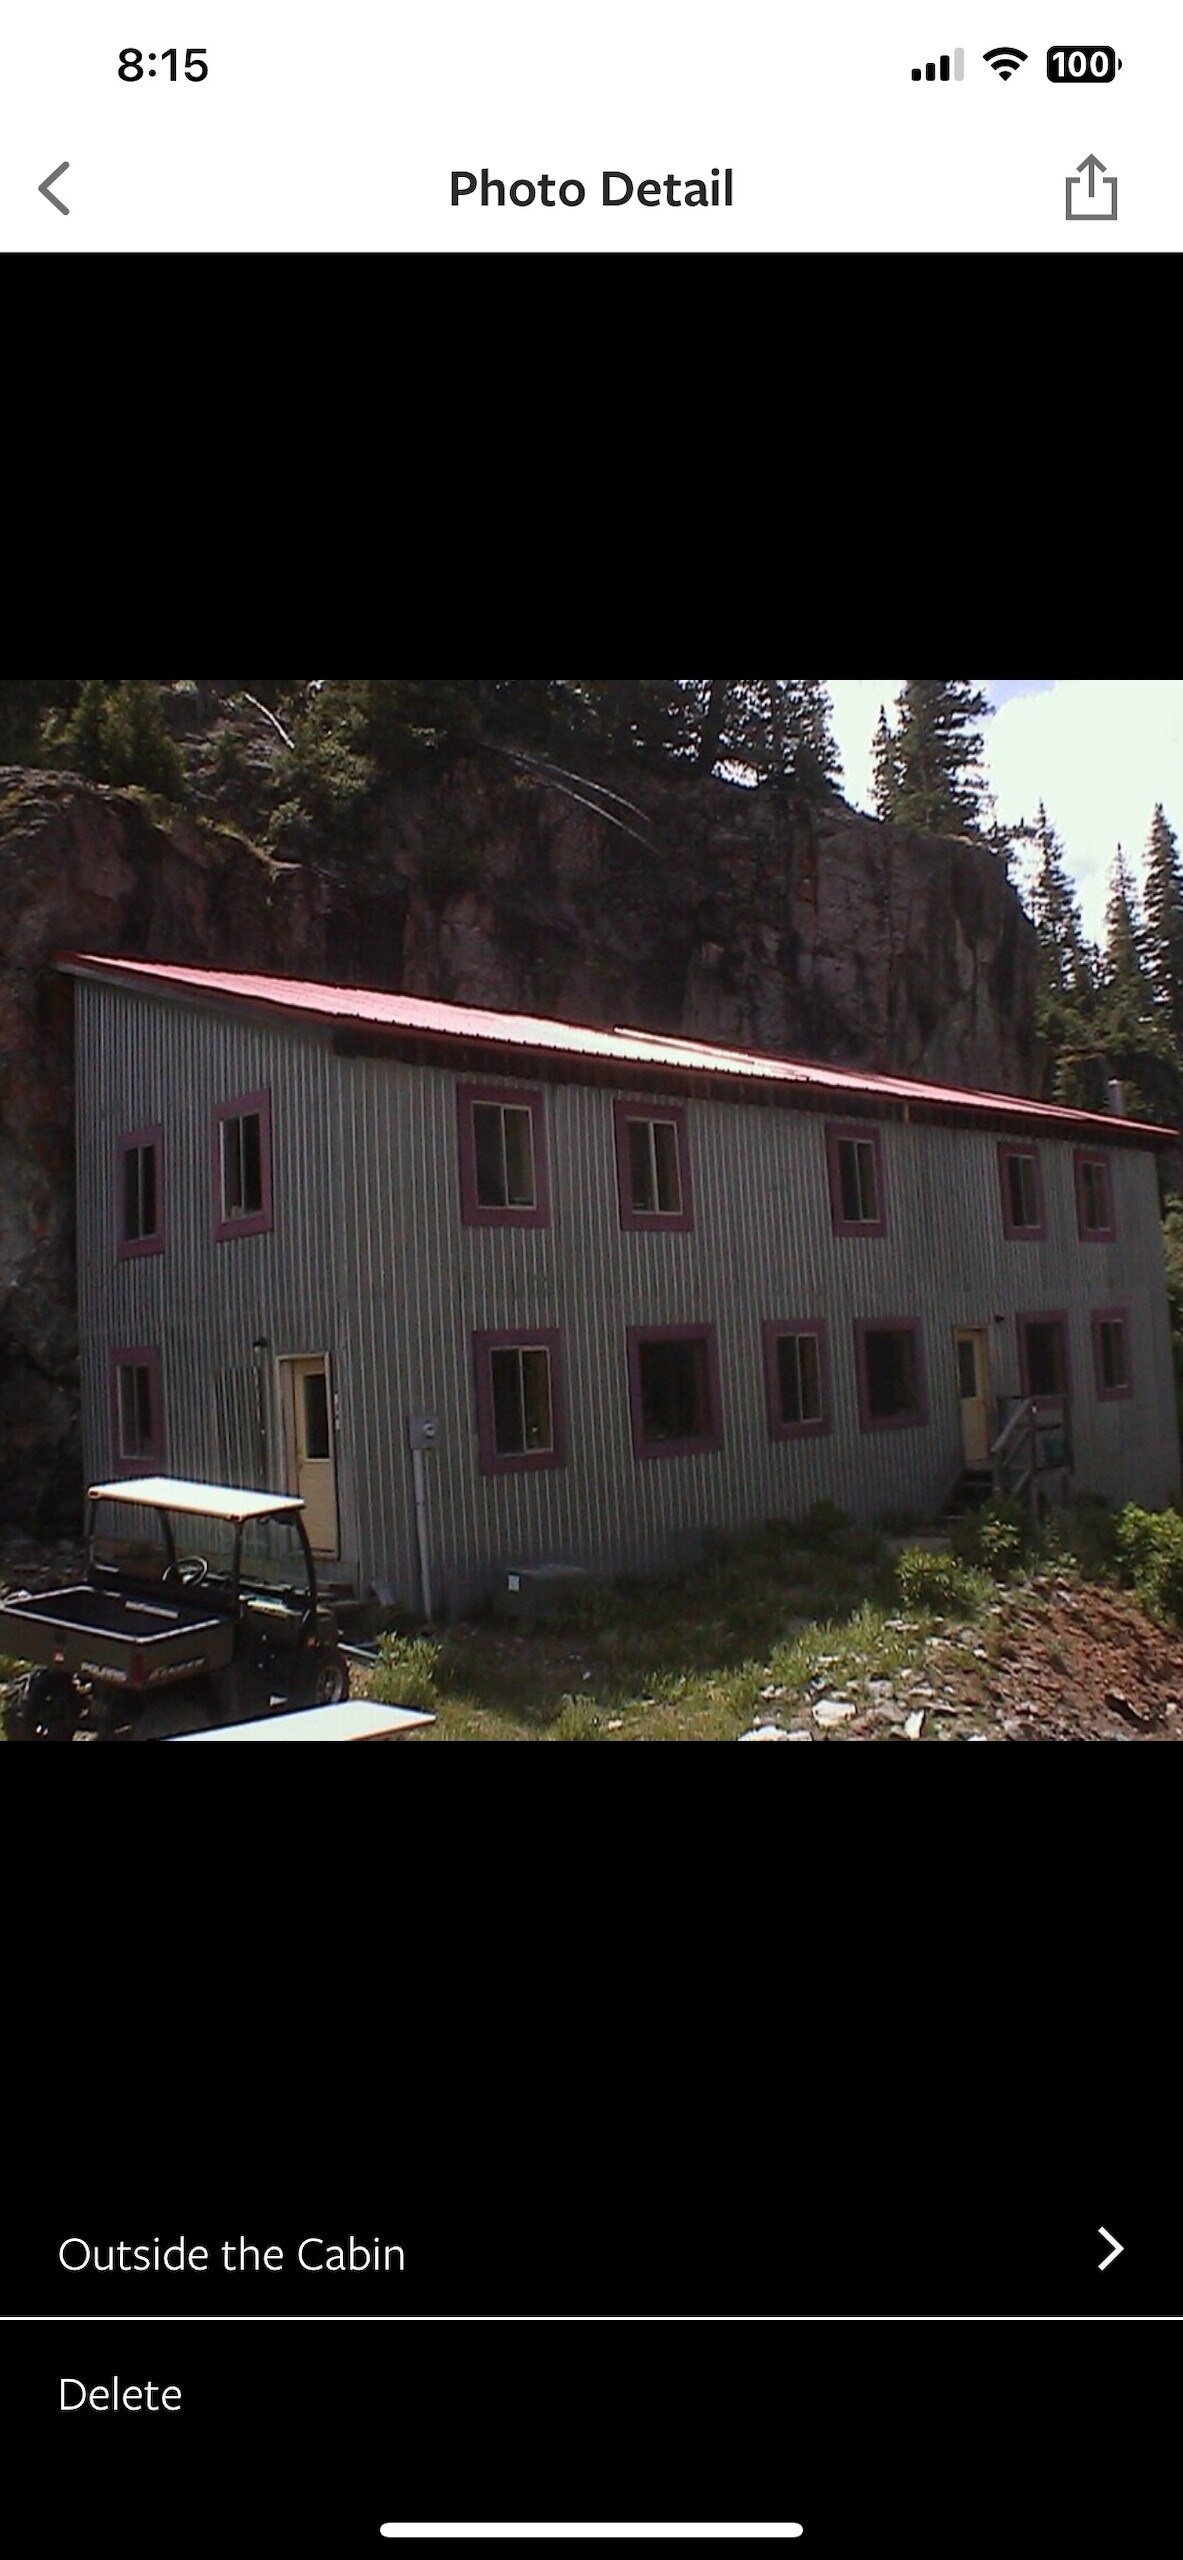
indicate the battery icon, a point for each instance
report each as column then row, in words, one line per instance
column 1087, row 64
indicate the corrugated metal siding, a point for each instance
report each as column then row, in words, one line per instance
column 369, row 1262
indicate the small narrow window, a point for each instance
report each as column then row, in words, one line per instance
column 1094, row 1199
column 317, row 1443
column 519, row 1401
column 856, row 1173
column 652, row 1166
column 795, row 1379
column 1023, row 1208
column 1022, row 1194
column 890, row 1371
column 1111, row 1353
column 242, row 1166
column 140, row 1213
column 502, row 1158
column 856, row 1182
column 136, row 1408
column 674, row 1390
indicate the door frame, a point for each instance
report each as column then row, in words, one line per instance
column 286, row 1363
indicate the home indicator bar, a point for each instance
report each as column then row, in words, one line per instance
column 592, row 2532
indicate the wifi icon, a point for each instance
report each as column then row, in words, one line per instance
column 1004, row 59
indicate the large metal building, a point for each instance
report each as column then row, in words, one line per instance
column 592, row 1293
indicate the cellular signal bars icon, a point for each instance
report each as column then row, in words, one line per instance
column 930, row 71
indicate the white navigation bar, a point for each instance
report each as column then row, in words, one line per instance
column 591, row 2532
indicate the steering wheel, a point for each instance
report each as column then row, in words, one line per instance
column 189, row 1571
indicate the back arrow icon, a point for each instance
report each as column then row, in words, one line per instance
column 46, row 184
column 1115, row 2251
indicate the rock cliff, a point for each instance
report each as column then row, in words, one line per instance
column 693, row 906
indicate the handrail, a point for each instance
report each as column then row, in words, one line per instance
column 1024, row 1412
column 1015, row 1454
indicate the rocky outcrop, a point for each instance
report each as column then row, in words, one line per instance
column 693, row 907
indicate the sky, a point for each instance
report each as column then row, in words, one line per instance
column 1098, row 755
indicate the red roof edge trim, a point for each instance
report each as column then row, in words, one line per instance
column 541, row 1037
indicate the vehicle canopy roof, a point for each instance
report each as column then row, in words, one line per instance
column 211, row 1501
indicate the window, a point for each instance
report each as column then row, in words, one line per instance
column 1043, row 1354
column 503, row 1174
column 136, row 1411
column 1111, row 1354
column 890, row 1375
column 242, row 1166
column 1022, row 1193
column 1094, row 1199
column 795, row 1380
column 673, row 1389
column 856, row 1182
column 519, row 1401
column 140, row 1196
column 652, row 1166
column 315, row 1436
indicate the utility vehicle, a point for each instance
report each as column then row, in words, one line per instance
column 200, row 1608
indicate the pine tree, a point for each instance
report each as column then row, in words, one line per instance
column 1125, row 971
column 1131, row 1030
column 1065, row 960
column 886, row 768
column 1163, row 910
column 938, row 784
column 778, row 727
column 817, row 765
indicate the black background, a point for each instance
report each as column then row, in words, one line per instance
column 920, row 2440
column 850, row 2041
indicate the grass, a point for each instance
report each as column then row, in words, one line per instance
column 763, row 1629
column 767, row 1625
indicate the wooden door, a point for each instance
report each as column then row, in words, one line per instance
column 312, row 1471
column 973, row 1387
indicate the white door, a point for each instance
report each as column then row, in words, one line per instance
column 973, row 1387
column 312, row 1471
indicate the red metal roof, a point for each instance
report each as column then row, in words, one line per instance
column 423, row 1016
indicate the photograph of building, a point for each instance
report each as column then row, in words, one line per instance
column 599, row 1292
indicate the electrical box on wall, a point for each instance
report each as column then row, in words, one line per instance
column 422, row 1430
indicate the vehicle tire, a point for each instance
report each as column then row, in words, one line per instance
column 330, row 1679
column 43, row 1707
